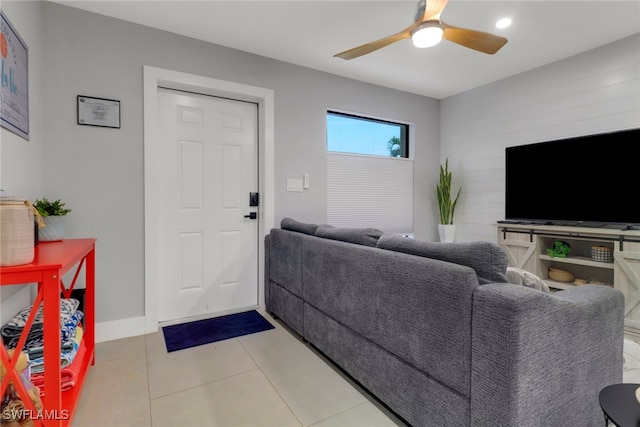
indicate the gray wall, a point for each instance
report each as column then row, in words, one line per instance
column 594, row 92
column 99, row 171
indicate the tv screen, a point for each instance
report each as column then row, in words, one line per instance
column 590, row 180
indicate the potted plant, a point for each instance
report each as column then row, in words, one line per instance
column 446, row 204
column 51, row 213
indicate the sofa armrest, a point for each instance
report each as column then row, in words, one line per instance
column 541, row 359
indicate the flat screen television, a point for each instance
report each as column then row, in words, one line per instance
column 591, row 180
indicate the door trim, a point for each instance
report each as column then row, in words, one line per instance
column 158, row 77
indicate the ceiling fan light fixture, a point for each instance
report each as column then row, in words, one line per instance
column 427, row 34
column 427, row 30
column 503, row 23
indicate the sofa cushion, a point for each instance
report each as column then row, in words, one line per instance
column 487, row 259
column 300, row 227
column 358, row 236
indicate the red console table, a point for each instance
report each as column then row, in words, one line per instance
column 52, row 260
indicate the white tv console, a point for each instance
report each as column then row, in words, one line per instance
column 526, row 247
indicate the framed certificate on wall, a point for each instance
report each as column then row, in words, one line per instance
column 14, row 74
column 98, row 112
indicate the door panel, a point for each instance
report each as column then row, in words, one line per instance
column 208, row 250
column 191, row 174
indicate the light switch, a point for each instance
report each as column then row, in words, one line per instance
column 294, row 184
column 305, row 181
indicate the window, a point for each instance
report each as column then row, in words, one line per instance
column 361, row 135
column 369, row 173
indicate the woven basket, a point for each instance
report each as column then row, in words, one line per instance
column 16, row 232
column 561, row 275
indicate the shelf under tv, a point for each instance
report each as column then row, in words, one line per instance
column 526, row 247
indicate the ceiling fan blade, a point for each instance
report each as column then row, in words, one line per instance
column 433, row 9
column 375, row 45
column 476, row 40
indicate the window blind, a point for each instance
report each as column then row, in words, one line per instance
column 370, row 191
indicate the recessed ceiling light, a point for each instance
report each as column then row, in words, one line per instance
column 503, row 23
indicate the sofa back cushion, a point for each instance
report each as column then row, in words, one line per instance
column 418, row 309
column 358, row 236
column 297, row 226
column 487, row 259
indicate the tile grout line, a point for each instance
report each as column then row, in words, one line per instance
column 326, row 362
column 339, row 413
column 205, row 383
column 271, row 383
column 146, row 367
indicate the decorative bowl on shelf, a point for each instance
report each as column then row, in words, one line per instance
column 561, row 275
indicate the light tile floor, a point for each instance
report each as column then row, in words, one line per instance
column 631, row 372
column 266, row 379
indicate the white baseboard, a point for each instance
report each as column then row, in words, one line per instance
column 122, row 328
column 207, row 316
column 134, row 326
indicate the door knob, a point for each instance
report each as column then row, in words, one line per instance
column 252, row 215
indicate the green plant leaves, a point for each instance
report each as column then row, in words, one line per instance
column 47, row 208
column 446, row 205
column 559, row 249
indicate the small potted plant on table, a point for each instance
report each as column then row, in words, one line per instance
column 52, row 214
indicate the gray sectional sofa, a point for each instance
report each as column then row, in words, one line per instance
column 434, row 332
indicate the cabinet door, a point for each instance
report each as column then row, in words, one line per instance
column 627, row 280
column 520, row 249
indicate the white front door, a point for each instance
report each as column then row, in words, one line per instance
column 207, row 247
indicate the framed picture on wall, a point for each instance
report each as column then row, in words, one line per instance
column 14, row 74
column 98, row 112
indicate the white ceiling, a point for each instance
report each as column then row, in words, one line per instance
column 309, row 33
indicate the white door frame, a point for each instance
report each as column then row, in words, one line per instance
column 152, row 79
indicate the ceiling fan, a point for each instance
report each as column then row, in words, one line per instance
column 428, row 29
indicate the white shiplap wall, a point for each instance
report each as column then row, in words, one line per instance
column 593, row 92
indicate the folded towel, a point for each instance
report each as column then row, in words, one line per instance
column 34, row 347
column 68, row 375
column 66, row 357
column 14, row 327
column 68, row 331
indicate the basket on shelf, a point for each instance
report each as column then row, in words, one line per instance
column 601, row 254
column 17, row 232
column 561, row 275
